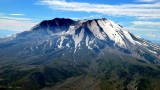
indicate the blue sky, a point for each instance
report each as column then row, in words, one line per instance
column 141, row 17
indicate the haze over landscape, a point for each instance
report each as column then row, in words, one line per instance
column 79, row 45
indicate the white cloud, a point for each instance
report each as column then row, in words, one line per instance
column 4, row 16
column 148, row 1
column 17, row 14
column 131, row 28
column 14, row 18
column 93, row 17
column 148, row 18
column 89, row 17
column 136, row 10
column 15, row 24
column 153, row 35
column 146, row 23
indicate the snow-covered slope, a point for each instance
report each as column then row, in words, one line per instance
column 86, row 36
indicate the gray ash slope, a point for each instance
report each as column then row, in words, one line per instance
column 60, row 36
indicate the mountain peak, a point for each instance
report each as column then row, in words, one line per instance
column 103, row 29
column 80, row 30
column 62, row 24
column 57, row 22
column 59, row 19
column 63, row 49
column 55, row 25
column 94, row 34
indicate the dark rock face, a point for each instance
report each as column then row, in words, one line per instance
column 55, row 25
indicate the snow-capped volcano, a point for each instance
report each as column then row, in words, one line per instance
column 79, row 37
column 68, row 54
column 101, row 29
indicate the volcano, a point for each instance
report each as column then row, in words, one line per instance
column 64, row 54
